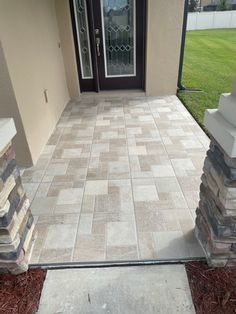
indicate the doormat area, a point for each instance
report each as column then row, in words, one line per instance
column 213, row 289
column 21, row 294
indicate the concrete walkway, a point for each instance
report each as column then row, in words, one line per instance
column 118, row 180
column 134, row 290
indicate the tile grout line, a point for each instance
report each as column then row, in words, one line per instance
column 62, row 132
column 45, row 236
column 171, row 165
column 175, row 175
column 85, row 181
column 44, row 170
column 95, row 197
column 53, row 214
column 170, row 159
column 106, row 227
column 131, row 180
column 154, row 242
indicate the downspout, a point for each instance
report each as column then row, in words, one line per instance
column 181, row 61
column 180, row 86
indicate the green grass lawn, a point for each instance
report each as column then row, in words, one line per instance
column 209, row 64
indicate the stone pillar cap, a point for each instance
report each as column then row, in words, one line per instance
column 221, row 123
column 227, row 107
column 223, row 131
column 7, row 132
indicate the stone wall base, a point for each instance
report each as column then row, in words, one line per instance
column 216, row 214
column 17, row 229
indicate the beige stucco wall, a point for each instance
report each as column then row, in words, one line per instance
column 9, row 109
column 30, row 40
column 67, row 45
column 164, row 30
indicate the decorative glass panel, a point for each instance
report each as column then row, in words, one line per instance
column 83, row 38
column 118, row 23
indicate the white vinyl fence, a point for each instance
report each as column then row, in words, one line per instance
column 210, row 20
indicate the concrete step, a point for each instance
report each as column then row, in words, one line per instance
column 117, row 290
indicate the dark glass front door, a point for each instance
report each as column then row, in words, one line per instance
column 109, row 37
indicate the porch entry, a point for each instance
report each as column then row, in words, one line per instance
column 109, row 39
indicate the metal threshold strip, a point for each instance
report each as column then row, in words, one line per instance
column 106, row 264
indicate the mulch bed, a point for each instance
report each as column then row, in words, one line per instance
column 20, row 294
column 213, row 289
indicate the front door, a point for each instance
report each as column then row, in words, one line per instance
column 109, row 39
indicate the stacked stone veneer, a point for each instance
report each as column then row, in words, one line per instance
column 216, row 214
column 16, row 221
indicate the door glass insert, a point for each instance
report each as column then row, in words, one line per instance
column 81, row 20
column 118, row 26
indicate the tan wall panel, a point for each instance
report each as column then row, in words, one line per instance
column 68, row 48
column 207, row 2
column 164, row 30
column 30, row 38
column 9, row 109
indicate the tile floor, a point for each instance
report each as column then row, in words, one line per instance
column 118, row 180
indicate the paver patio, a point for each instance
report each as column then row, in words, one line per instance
column 118, row 180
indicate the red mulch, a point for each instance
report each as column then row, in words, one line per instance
column 213, row 289
column 20, row 294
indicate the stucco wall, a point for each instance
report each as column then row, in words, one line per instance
column 67, row 45
column 30, row 40
column 164, row 30
column 9, row 109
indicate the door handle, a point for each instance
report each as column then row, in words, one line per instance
column 98, row 41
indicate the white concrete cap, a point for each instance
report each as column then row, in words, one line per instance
column 227, row 107
column 7, row 132
column 223, row 131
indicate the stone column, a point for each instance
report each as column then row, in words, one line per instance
column 216, row 215
column 16, row 220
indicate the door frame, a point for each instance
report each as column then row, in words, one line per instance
column 87, row 85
